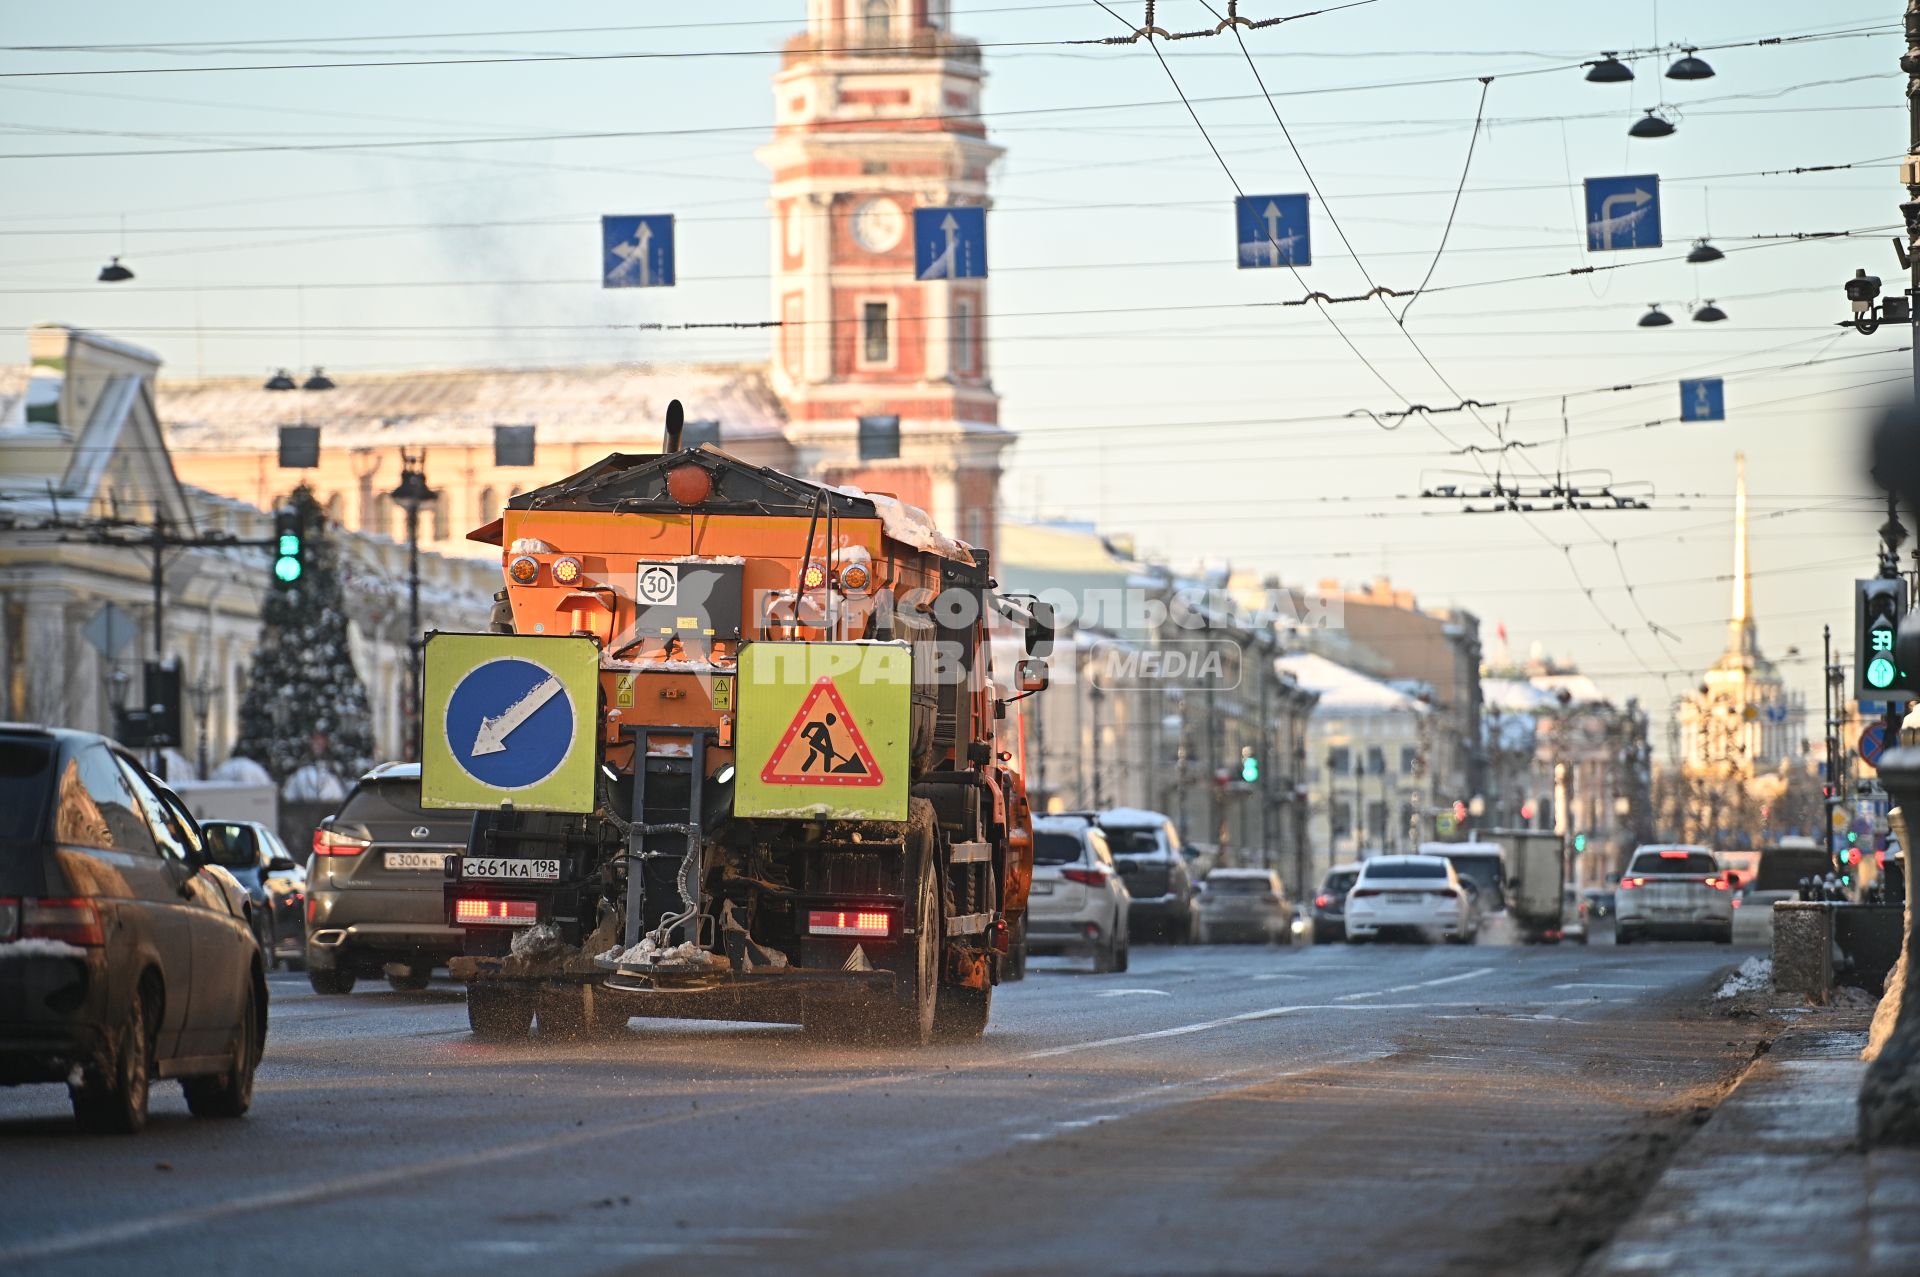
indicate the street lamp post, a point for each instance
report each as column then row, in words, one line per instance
column 413, row 495
column 202, row 692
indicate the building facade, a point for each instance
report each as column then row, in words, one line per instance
column 85, row 476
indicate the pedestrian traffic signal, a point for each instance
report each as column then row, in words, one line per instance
column 1249, row 765
column 1878, row 606
column 289, row 547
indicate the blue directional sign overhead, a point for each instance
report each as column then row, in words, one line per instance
column 636, row 252
column 950, row 243
column 1271, row 230
column 510, row 719
column 1703, row 399
column 1623, row 212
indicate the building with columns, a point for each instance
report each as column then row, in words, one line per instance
column 876, row 114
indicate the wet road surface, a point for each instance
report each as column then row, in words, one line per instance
column 1213, row 1110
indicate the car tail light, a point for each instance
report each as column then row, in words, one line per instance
column 1673, row 855
column 1365, row 891
column 1090, row 877
column 1718, row 884
column 313, row 907
column 328, row 843
column 504, row 913
column 1628, row 884
column 74, row 921
column 1447, row 893
column 1322, row 900
column 849, row 922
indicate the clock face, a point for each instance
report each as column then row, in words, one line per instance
column 878, row 225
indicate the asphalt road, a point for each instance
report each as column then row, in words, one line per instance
column 1379, row 1109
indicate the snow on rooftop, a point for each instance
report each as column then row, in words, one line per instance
column 1343, row 690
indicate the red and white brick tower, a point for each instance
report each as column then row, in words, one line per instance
column 876, row 113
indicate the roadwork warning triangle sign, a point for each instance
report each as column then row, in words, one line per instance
column 822, row 746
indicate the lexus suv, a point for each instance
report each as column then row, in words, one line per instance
column 375, row 885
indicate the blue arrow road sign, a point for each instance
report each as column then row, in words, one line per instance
column 1873, row 743
column 950, row 243
column 636, row 252
column 510, row 723
column 1703, row 399
column 1271, row 230
column 1623, row 212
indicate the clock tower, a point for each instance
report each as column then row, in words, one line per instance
column 884, row 376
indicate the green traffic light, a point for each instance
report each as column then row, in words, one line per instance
column 1880, row 672
column 286, row 569
column 1579, row 842
column 289, row 545
column 1250, row 769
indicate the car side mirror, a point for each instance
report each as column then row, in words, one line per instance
column 280, row 865
column 1031, row 674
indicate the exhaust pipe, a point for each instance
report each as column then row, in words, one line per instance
column 676, row 418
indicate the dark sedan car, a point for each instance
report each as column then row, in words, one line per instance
column 125, row 956
column 375, row 885
column 260, row 862
column 1329, row 910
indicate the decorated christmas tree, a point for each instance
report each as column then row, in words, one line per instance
column 305, row 715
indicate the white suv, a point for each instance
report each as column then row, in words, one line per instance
column 1673, row 892
column 1078, row 903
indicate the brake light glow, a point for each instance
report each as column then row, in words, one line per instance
column 328, row 843
column 566, row 571
column 848, row 922
column 524, row 570
column 1089, row 877
column 1322, row 900
column 1674, row 855
column 1718, row 884
column 1628, row 884
column 505, row 913
column 74, row 921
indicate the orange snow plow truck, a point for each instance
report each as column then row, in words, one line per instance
column 734, row 750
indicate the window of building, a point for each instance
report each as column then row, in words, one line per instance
column 876, row 345
column 1376, row 821
column 1340, row 818
column 1340, row 760
column 1409, row 759
column 488, row 507
column 1376, row 761
column 440, row 515
column 879, row 16
column 962, row 335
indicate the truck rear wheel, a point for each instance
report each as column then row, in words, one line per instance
column 907, row 1017
column 497, row 1013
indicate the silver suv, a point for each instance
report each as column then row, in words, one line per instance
column 1673, row 892
column 375, row 885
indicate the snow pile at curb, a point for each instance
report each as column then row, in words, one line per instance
column 1754, row 976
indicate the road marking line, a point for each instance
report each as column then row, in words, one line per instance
column 1424, row 984
column 1584, row 984
column 1124, row 993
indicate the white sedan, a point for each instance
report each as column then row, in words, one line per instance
column 1414, row 896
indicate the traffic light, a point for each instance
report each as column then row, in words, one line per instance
column 1579, row 843
column 1459, row 813
column 1878, row 606
column 289, row 546
column 1249, row 765
column 1526, row 812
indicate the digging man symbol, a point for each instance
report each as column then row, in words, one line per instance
column 819, row 736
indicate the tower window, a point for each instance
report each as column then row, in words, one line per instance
column 962, row 328
column 875, row 333
column 879, row 17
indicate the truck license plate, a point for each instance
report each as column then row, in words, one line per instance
column 510, row 869
column 434, row 860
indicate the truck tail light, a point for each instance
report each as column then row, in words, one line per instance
column 874, row 923
column 1088, row 877
column 74, row 921
column 500, row 913
column 328, row 843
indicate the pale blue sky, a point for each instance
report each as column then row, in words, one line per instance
column 1179, row 427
